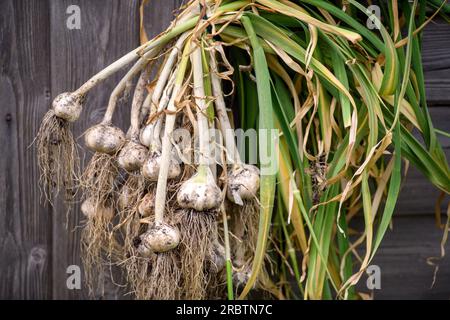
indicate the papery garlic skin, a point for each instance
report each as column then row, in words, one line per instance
column 217, row 259
column 104, row 139
column 67, row 106
column 132, row 156
column 146, row 135
column 243, row 183
column 147, row 205
column 200, row 192
column 91, row 210
column 160, row 237
column 150, row 169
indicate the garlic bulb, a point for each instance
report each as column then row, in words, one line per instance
column 90, row 210
column 160, row 237
column 104, row 138
column 217, row 260
column 200, row 192
column 146, row 135
column 150, row 169
column 132, row 156
column 67, row 106
column 147, row 205
column 243, row 183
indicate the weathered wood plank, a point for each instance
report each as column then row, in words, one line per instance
column 100, row 50
column 158, row 15
column 109, row 29
column 36, row 248
column 436, row 62
column 402, row 258
column 418, row 195
column 25, row 225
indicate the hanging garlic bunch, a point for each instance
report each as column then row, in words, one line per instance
column 153, row 216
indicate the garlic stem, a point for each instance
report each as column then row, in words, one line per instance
column 221, row 112
column 151, row 134
column 200, row 192
column 188, row 19
column 138, row 99
column 145, row 109
column 161, row 186
column 165, row 82
column 164, row 87
column 199, row 93
column 157, row 125
column 165, row 161
column 180, row 26
column 138, row 66
column 167, row 69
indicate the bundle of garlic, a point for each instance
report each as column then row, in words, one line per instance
column 172, row 201
column 147, row 210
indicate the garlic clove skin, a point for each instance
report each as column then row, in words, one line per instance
column 174, row 170
column 91, row 210
column 104, row 139
column 124, row 198
column 144, row 251
column 241, row 277
column 142, row 247
column 200, row 192
column 217, row 260
column 243, row 183
column 160, row 237
column 146, row 135
column 150, row 169
column 147, row 205
column 67, row 106
column 132, row 156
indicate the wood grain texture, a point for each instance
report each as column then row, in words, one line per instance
column 40, row 58
column 418, row 195
column 436, row 62
column 158, row 15
column 403, row 258
column 25, row 225
column 109, row 29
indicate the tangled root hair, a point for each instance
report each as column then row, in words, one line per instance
column 98, row 184
column 98, row 179
column 58, row 159
column 198, row 232
column 165, row 276
column 131, row 192
column 126, row 232
column 245, row 228
column 160, row 277
column 94, row 245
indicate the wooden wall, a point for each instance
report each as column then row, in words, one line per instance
column 40, row 58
